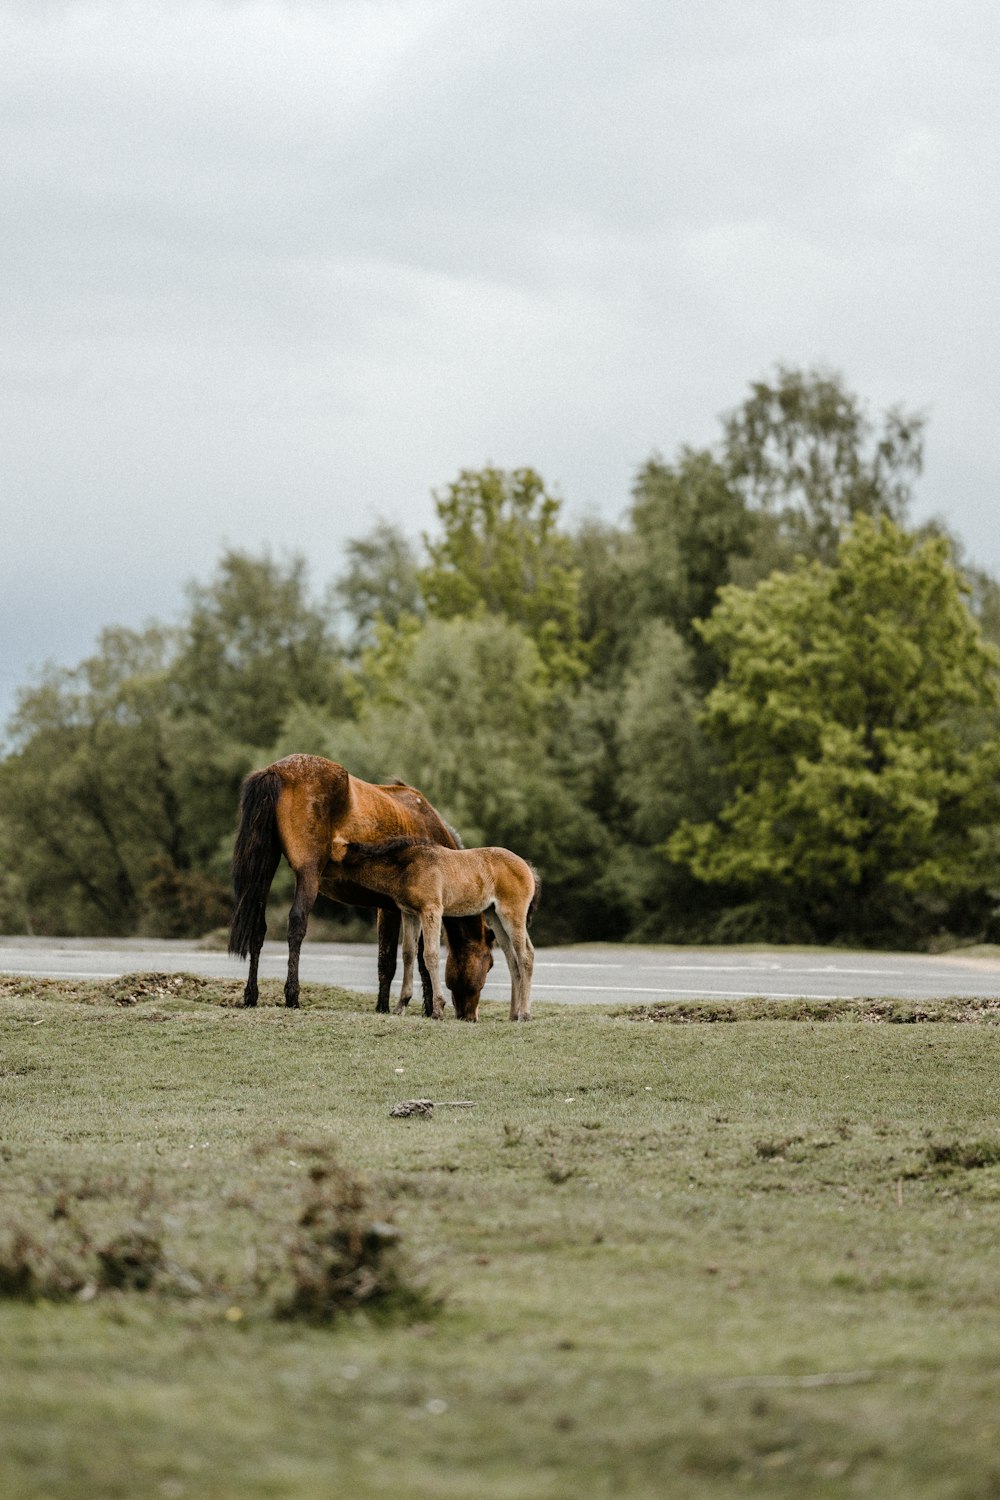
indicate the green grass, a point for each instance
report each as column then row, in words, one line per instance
column 757, row 1258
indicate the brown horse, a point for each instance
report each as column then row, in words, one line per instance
column 296, row 807
column 428, row 883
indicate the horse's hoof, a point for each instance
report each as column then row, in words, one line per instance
column 249, row 1004
column 400, row 1009
column 292, row 1005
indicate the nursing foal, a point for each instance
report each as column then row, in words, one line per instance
column 428, row 882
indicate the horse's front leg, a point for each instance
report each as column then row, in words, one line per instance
column 430, row 926
column 388, row 940
column 306, row 891
column 411, row 932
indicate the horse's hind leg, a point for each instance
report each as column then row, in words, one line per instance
column 306, row 891
column 388, row 939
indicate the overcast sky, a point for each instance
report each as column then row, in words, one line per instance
column 271, row 271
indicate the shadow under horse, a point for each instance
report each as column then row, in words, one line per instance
column 296, row 808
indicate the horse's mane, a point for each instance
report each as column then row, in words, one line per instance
column 357, row 853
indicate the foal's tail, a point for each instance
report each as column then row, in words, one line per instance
column 536, row 897
column 255, row 859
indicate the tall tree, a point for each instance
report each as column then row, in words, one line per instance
column 603, row 555
column 253, row 644
column 803, row 448
column 857, row 713
column 667, row 768
column 101, row 793
column 501, row 551
column 379, row 584
column 667, row 773
column 690, row 525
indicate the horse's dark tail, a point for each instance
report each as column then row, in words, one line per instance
column 255, row 859
column 533, row 904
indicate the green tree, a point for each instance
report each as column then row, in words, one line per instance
column 803, row 449
column 668, row 770
column 857, row 713
column 252, row 645
column 100, row 794
column 501, row 551
column 379, row 584
column 15, row 909
column 604, row 557
column 690, row 526
column 667, row 773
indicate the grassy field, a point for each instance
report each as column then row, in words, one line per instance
column 754, row 1257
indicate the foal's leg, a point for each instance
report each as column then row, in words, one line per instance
column 512, row 923
column 525, row 954
column 306, row 891
column 430, row 924
column 506, row 947
column 388, row 937
column 411, row 933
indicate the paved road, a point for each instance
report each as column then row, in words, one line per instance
column 591, row 974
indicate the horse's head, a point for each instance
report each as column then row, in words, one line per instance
column 470, row 959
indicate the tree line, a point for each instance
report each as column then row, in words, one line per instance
column 763, row 705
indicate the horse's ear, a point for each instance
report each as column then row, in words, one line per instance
column 490, row 936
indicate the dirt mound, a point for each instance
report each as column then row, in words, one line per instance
column 135, row 989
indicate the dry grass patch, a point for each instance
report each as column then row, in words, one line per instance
column 885, row 1012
